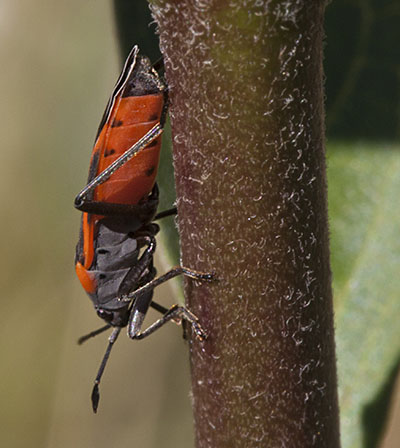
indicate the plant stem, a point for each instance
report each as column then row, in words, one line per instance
column 245, row 81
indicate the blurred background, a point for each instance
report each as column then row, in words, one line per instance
column 59, row 63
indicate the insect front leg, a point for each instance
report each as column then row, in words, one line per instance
column 151, row 135
column 143, row 211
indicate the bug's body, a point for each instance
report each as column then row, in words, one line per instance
column 109, row 244
column 114, row 255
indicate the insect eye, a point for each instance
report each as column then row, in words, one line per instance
column 106, row 315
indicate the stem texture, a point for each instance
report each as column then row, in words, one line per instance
column 245, row 81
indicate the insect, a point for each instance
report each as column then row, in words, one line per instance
column 114, row 254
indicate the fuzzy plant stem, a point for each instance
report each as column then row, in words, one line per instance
column 245, row 80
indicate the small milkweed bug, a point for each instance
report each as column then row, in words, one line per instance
column 114, row 254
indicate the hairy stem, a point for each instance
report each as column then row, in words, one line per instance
column 245, row 81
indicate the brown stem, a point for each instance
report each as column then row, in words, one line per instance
column 245, row 82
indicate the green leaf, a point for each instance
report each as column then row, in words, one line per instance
column 364, row 186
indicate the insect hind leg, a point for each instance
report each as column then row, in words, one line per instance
column 142, row 298
column 176, row 313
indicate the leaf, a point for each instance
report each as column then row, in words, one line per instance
column 364, row 186
column 361, row 66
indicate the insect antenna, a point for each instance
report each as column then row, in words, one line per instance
column 95, row 391
column 92, row 334
column 158, row 66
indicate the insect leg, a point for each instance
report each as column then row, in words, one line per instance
column 174, row 272
column 92, row 334
column 161, row 309
column 142, row 300
column 151, row 135
column 165, row 213
column 139, row 310
column 143, row 211
column 145, row 261
column 177, row 313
